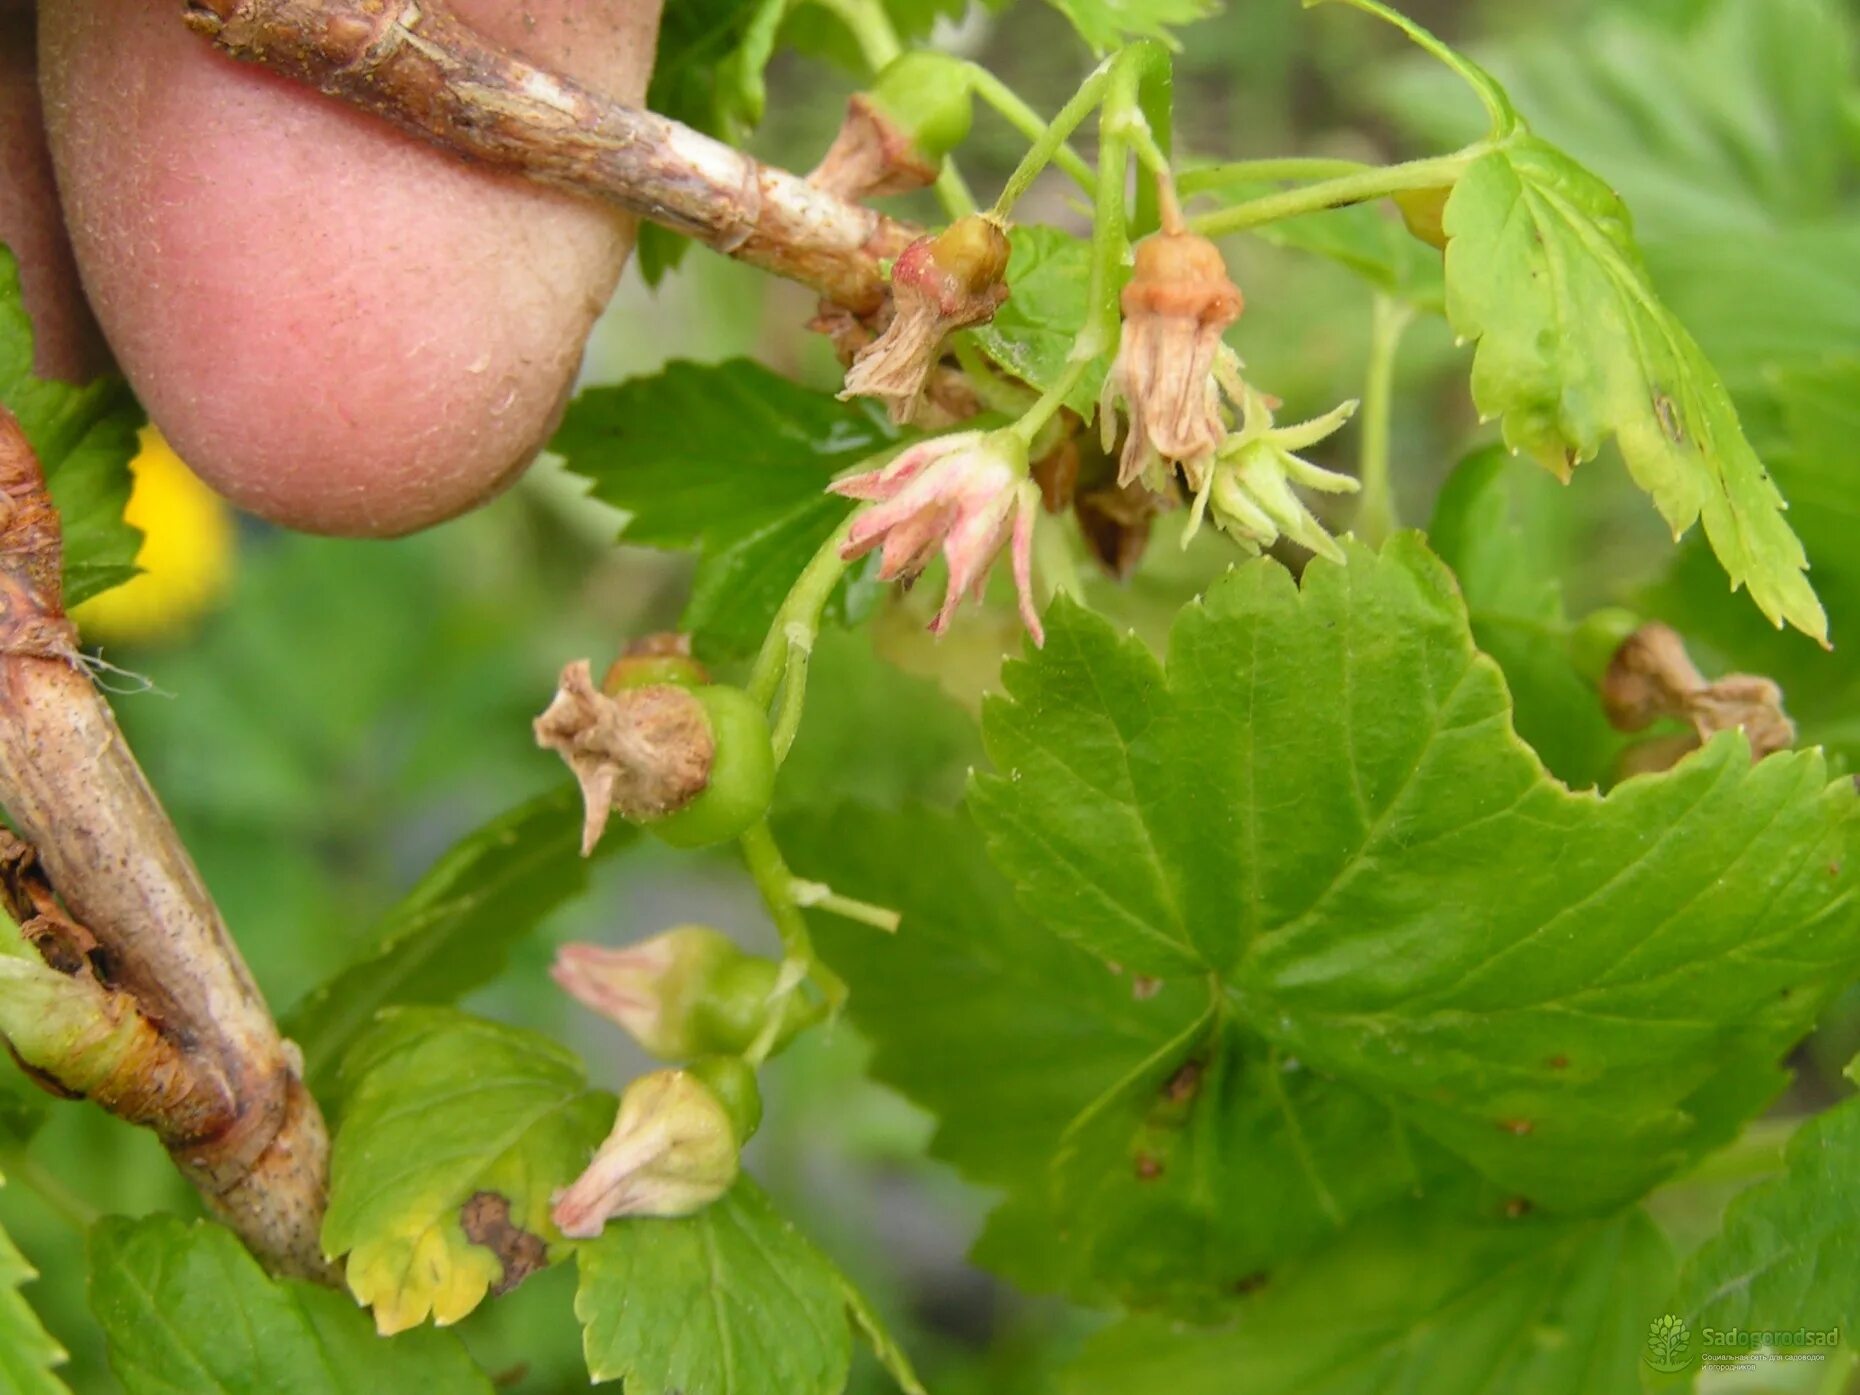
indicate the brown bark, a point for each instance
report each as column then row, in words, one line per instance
column 229, row 1104
column 416, row 65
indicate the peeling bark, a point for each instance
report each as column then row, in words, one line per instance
column 220, row 1086
column 414, row 64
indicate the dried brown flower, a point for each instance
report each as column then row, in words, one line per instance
column 1178, row 303
column 1652, row 677
column 871, row 156
column 939, row 284
column 644, row 751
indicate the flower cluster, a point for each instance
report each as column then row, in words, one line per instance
column 1171, row 375
column 1247, row 488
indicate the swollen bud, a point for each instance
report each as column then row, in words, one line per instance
column 687, row 992
column 674, row 1148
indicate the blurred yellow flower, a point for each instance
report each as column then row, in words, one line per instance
column 186, row 556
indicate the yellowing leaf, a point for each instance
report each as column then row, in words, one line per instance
column 449, row 1125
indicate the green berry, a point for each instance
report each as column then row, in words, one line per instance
column 742, row 773
column 928, row 96
column 733, row 1082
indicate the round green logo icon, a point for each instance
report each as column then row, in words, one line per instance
column 1669, row 1344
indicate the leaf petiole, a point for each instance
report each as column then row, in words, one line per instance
column 1376, row 517
column 1341, row 192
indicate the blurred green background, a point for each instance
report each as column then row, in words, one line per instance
column 350, row 709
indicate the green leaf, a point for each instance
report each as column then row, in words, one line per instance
column 1574, row 346
column 1049, row 275
column 27, row 1351
column 1788, row 1254
column 733, row 460
column 1104, row 24
column 85, row 438
column 448, row 1121
column 1146, row 1153
column 450, row 933
column 814, row 30
column 188, row 1312
column 1505, row 533
column 1765, row 303
column 1417, row 1301
column 1321, row 805
column 1818, row 466
column 731, row 1301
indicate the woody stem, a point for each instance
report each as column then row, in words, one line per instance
column 414, row 64
column 120, row 979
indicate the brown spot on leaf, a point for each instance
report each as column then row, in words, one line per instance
column 1143, row 987
column 1185, row 1083
column 485, row 1219
column 1671, row 422
column 1520, row 1127
column 1149, row 1167
column 1518, row 1207
column 1251, row 1283
column 1559, row 1062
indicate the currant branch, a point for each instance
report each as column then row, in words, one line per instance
column 124, row 984
column 416, row 65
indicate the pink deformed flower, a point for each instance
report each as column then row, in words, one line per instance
column 965, row 495
column 673, row 1151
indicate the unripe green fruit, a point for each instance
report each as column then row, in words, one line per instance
column 927, row 95
column 736, row 1009
column 643, row 670
column 742, row 773
column 733, row 1082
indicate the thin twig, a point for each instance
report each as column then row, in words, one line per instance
column 220, row 1086
column 415, row 64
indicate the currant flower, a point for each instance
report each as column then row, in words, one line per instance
column 939, row 284
column 965, row 495
column 1248, row 489
column 675, row 1147
column 689, row 991
column 1178, row 303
